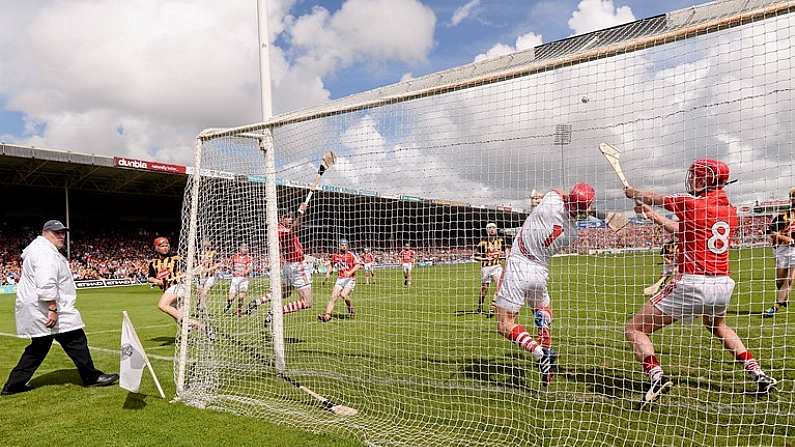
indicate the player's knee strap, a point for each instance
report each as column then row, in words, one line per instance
column 543, row 319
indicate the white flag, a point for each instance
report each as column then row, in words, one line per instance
column 133, row 358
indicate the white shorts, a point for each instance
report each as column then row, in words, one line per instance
column 177, row 290
column 206, row 283
column 785, row 256
column 490, row 273
column 368, row 267
column 345, row 283
column 524, row 283
column 669, row 269
column 295, row 274
column 239, row 284
column 407, row 267
column 688, row 296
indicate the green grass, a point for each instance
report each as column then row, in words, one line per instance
column 423, row 369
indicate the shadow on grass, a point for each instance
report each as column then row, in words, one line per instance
column 134, row 401
column 512, row 376
column 605, row 382
column 58, row 377
column 164, row 341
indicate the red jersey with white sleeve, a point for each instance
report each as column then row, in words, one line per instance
column 368, row 258
column 344, row 263
column 290, row 247
column 407, row 256
column 241, row 265
column 546, row 231
column 707, row 225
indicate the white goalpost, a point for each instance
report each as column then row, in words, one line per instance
column 344, row 255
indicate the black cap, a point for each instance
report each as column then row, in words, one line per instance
column 54, row 225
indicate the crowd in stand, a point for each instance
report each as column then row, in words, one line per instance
column 117, row 254
column 98, row 255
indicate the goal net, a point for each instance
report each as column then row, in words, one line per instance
column 422, row 167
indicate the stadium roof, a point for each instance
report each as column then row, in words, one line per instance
column 49, row 168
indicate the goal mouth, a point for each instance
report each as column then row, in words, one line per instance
column 417, row 344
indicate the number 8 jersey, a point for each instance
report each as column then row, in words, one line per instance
column 706, row 227
column 545, row 231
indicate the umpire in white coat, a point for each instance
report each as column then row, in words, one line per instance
column 45, row 311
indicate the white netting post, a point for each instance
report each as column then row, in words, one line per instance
column 272, row 211
column 194, row 207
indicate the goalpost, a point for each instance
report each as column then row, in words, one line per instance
column 423, row 166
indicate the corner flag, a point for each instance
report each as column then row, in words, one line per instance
column 133, row 359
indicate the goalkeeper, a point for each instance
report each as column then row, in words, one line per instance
column 549, row 227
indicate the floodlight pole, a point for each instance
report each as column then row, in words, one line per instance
column 271, row 204
column 68, row 223
column 562, row 138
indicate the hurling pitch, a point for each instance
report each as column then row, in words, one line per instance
column 421, row 365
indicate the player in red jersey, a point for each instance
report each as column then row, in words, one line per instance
column 407, row 261
column 702, row 286
column 241, row 264
column 347, row 265
column 368, row 259
column 295, row 275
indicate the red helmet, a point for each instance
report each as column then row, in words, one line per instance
column 580, row 197
column 159, row 240
column 714, row 172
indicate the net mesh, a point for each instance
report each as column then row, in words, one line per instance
column 422, row 362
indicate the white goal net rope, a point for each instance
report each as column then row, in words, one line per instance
column 422, row 167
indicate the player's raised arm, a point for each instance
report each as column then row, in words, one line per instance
column 669, row 225
column 299, row 218
column 647, row 197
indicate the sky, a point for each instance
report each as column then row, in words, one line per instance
column 142, row 78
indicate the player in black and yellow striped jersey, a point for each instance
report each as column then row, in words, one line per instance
column 208, row 267
column 165, row 272
column 782, row 236
column 491, row 251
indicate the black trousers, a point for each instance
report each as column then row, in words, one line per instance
column 74, row 343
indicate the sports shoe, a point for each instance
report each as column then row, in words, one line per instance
column 547, row 364
column 656, row 389
column 770, row 312
column 324, row 318
column 228, row 307
column 765, row 383
column 268, row 318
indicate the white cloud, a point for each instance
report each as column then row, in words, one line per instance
column 592, row 15
column 407, row 77
column 523, row 42
column 725, row 95
column 361, row 31
column 164, row 70
column 463, row 12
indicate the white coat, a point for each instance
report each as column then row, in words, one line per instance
column 45, row 277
